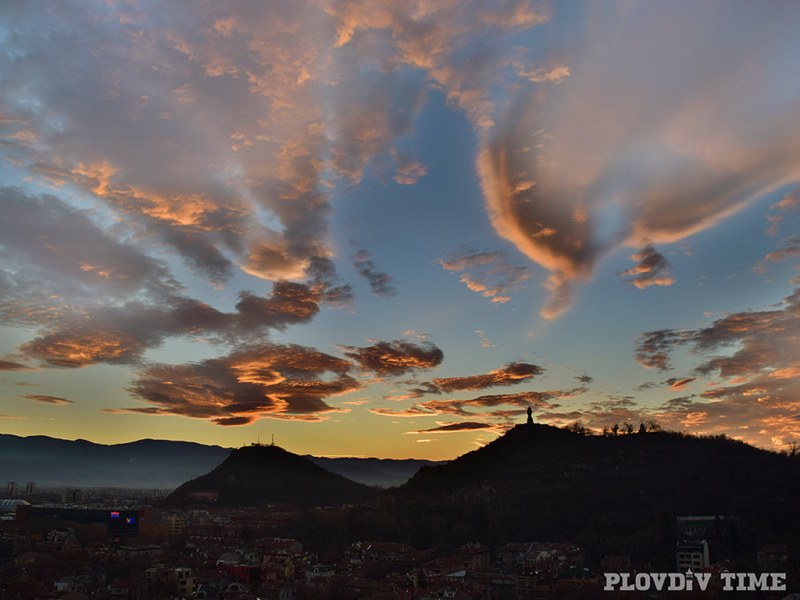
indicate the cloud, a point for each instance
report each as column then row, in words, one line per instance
column 7, row 365
column 371, row 113
column 485, row 341
column 512, row 374
column 542, row 75
column 679, row 384
column 225, row 147
column 216, row 151
column 521, row 399
column 489, row 274
column 414, row 411
column 380, row 283
column 761, row 411
column 456, row 428
column 86, row 346
column 122, row 334
column 653, row 348
column 268, row 381
column 789, row 203
column 681, row 402
column 600, row 414
column 289, row 303
column 463, row 56
column 409, row 171
column 762, row 340
column 228, row 421
column 612, row 157
column 323, row 279
column 467, row 260
column 413, row 393
column 790, row 250
column 46, row 238
column 97, row 299
column 47, row 399
column 396, row 357
column 755, row 353
column 359, row 402
column 651, row 269
column 270, row 260
column 488, row 405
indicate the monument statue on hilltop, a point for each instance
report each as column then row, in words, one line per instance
column 530, row 416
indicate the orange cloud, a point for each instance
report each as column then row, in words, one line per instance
column 602, row 161
column 650, row 270
column 680, row 384
column 511, row 374
column 48, row 399
column 465, row 426
column 790, row 202
column 271, row 381
column 7, row 365
column 81, row 348
column 757, row 399
column 395, row 357
column 489, row 274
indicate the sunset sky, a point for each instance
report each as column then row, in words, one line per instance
column 386, row 228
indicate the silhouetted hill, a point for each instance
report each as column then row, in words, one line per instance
column 254, row 475
column 614, row 495
column 143, row 463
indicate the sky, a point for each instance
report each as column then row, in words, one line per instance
column 384, row 228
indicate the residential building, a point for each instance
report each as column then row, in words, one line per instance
column 692, row 554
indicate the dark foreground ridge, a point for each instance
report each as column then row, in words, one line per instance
column 613, row 494
column 260, row 474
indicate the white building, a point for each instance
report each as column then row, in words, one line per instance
column 692, row 554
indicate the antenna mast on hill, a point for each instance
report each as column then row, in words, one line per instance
column 273, row 440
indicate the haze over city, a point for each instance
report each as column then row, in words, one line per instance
column 388, row 228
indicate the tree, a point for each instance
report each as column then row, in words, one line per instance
column 642, row 428
column 578, row 427
column 793, row 450
column 615, row 428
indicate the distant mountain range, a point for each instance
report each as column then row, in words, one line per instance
column 383, row 472
column 157, row 464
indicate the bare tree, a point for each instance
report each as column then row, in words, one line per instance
column 579, row 428
column 793, row 450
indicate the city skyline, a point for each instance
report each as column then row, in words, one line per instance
column 387, row 229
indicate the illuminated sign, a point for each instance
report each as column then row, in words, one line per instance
column 114, row 514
